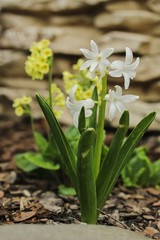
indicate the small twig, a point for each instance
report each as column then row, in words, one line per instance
column 108, row 215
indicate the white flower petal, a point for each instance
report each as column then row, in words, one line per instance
column 72, row 92
column 106, row 52
column 68, row 103
column 94, row 47
column 120, row 107
column 88, row 54
column 129, row 56
column 118, row 90
column 126, row 68
column 126, row 80
column 112, row 111
column 131, row 74
column 104, row 63
column 117, row 64
column 75, row 119
column 93, row 66
column 128, row 98
column 115, row 73
column 135, row 64
column 76, row 106
column 89, row 103
column 86, row 64
column 88, row 112
column 99, row 60
column 106, row 97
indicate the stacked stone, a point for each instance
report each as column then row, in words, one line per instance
column 70, row 25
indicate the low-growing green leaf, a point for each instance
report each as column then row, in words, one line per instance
column 24, row 164
column 38, row 160
column 66, row 191
column 138, row 170
column 155, row 178
column 40, row 141
column 52, row 150
column 72, row 134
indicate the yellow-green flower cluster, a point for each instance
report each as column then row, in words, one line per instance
column 82, row 79
column 21, row 105
column 38, row 62
column 58, row 100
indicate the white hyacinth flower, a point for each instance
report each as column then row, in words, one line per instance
column 76, row 106
column 127, row 69
column 99, row 72
column 96, row 58
column 117, row 101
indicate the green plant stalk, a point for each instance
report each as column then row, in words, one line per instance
column 100, row 127
column 50, row 80
column 32, row 121
column 49, row 90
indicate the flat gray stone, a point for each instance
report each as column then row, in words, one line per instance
column 66, row 232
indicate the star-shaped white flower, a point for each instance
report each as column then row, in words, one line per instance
column 117, row 101
column 96, row 58
column 99, row 72
column 127, row 69
column 76, row 106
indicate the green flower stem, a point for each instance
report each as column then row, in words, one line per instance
column 50, row 80
column 100, row 127
column 32, row 124
column 50, row 89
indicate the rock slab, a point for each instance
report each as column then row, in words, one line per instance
column 67, row 232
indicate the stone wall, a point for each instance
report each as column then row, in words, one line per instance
column 70, row 25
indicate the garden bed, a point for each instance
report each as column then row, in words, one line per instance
column 33, row 198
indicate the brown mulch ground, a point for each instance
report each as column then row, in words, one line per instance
column 27, row 198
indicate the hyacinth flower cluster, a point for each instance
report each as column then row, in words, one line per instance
column 93, row 167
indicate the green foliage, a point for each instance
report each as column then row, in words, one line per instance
column 38, row 160
column 66, row 191
column 24, row 164
column 69, row 159
column 93, row 192
column 72, row 134
column 85, row 176
column 140, row 171
column 45, row 158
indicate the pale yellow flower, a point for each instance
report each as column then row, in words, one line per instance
column 58, row 100
column 17, row 102
column 47, row 52
column 19, row 111
column 77, row 66
column 37, row 64
column 26, row 100
column 21, row 105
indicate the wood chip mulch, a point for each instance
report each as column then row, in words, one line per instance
column 26, row 198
